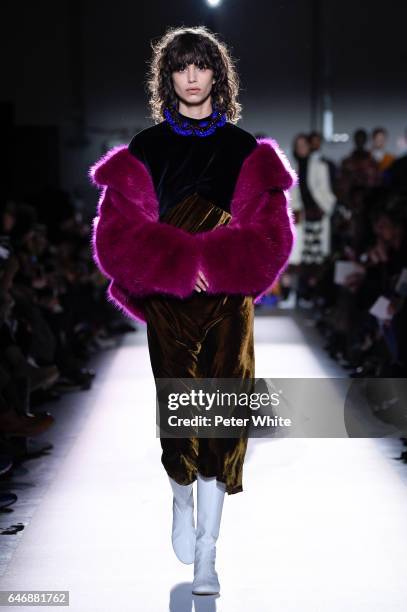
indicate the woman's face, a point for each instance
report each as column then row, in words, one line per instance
column 8, row 222
column 192, row 84
column 379, row 140
column 302, row 147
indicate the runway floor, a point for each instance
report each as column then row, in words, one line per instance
column 320, row 526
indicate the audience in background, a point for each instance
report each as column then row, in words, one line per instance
column 53, row 317
column 357, row 293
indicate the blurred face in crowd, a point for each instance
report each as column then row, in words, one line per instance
column 302, row 147
column 379, row 140
column 192, row 83
column 8, row 222
column 35, row 241
column 315, row 142
column 384, row 228
column 360, row 138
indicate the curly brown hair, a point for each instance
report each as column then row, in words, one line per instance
column 181, row 46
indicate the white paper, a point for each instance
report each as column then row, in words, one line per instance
column 4, row 253
column 343, row 268
column 379, row 308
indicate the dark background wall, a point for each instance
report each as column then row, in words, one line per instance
column 79, row 69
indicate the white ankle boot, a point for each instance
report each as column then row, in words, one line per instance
column 211, row 495
column 183, row 522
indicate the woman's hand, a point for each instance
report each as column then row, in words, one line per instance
column 378, row 253
column 201, row 282
column 354, row 280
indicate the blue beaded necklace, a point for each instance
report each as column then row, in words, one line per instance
column 203, row 127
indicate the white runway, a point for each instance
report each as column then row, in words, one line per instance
column 320, row 527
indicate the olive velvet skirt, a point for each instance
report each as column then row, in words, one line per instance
column 201, row 336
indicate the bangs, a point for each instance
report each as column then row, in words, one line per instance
column 181, row 47
column 189, row 49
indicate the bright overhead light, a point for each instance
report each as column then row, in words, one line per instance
column 213, row 2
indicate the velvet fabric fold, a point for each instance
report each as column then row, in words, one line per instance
column 202, row 336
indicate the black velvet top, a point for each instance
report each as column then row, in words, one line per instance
column 183, row 165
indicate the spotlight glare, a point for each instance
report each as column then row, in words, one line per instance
column 213, row 3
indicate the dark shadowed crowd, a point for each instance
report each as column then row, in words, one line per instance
column 349, row 266
column 54, row 318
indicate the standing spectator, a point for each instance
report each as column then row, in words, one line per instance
column 313, row 202
column 359, row 169
column 315, row 141
column 396, row 175
column 382, row 157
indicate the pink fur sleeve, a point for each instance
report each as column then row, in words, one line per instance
column 141, row 255
column 249, row 259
